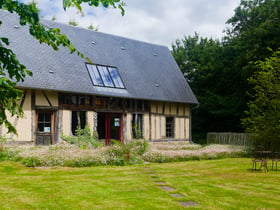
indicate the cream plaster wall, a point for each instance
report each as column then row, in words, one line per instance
column 166, row 108
column 22, row 125
column 173, row 109
column 128, row 126
column 176, row 128
column 90, row 119
column 187, row 110
column 153, row 107
column 153, row 127
column 181, row 110
column 42, row 101
column 187, row 126
column 157, row 133
column 163, row 132
column 146, row 128
column 66, row 122
column 182, row 130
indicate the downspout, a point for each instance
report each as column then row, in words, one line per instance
column 196, row 107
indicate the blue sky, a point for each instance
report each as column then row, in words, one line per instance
column 156, row 21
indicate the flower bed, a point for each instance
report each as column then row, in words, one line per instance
column 134, row 152
column 182, row 151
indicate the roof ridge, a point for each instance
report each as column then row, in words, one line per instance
column 104, row 33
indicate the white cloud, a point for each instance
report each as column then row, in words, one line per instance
column 156, row 21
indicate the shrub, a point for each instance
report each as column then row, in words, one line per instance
column 139, row 146
column 6, row 154
column 84, row 138
column 3, row 140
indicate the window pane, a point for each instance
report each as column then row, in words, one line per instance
column 94, row 75
column 137, row 126
column 47, row 117
column 116, row 77
column 40, row 117
column 105, row 76
column 169, row 127
column 40, row 127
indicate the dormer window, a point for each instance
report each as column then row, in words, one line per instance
column 105, row 76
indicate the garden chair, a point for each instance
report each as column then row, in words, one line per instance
column 275, row 158
column 260, row 156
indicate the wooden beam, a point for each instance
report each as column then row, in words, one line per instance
column 33, row 99
column 47, row 98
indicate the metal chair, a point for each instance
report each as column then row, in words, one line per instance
column 275, row 158
column 260, row 156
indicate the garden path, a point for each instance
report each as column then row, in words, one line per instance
column 169, row 189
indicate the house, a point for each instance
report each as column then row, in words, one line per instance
column 133, row 89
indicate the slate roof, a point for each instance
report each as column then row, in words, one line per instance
column 148, row 71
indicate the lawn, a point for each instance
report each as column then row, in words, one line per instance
column 213, row 184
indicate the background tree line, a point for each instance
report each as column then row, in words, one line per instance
column 225, row 75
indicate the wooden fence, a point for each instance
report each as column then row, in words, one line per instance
column 229, row 138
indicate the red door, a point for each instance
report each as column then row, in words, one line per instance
column 113, row 127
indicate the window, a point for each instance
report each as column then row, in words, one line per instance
column 137, row 126
column 44, row 122
column 105, row 76
column 78, row 121
column 169, row 126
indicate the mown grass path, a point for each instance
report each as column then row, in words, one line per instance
column 214, row 184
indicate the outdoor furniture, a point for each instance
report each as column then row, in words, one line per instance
column 275, row 158
column 260, row 157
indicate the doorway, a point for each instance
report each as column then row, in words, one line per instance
column 45, row 127
column 109, row 126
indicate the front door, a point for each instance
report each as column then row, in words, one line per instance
column 45, row 127
column 109, row 126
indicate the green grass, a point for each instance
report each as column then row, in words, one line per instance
column 214, row 184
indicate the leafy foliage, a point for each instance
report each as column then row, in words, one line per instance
column 11, row 70
column 263, row 116
column 207, row 65
column 84, row 138
column 218, row 71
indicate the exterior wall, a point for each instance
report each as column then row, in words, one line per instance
column 180, row 114
column 23, row 125
column 163, row 131
column 128, row 127
column 41, row 99
column 90, row 120
column 154, row 122
column 146, row 127
column 66, row 122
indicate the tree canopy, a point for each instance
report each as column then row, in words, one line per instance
column 263, row 115
column 218, row 70
column 11, row 70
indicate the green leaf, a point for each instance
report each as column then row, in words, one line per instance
column 5, row 40
column 66, row 3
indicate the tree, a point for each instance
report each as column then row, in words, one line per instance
column 208, row 66
column 11, row 70
column 254, row 28
column 218, row 71
column 263, row 116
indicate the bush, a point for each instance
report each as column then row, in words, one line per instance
column 139, row 146
column 6, row 154
column 84, row 138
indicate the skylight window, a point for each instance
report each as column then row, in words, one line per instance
column 105, row 76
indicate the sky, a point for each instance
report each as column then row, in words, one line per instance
column 154, row 21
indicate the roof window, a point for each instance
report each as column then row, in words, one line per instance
column 105, row 76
